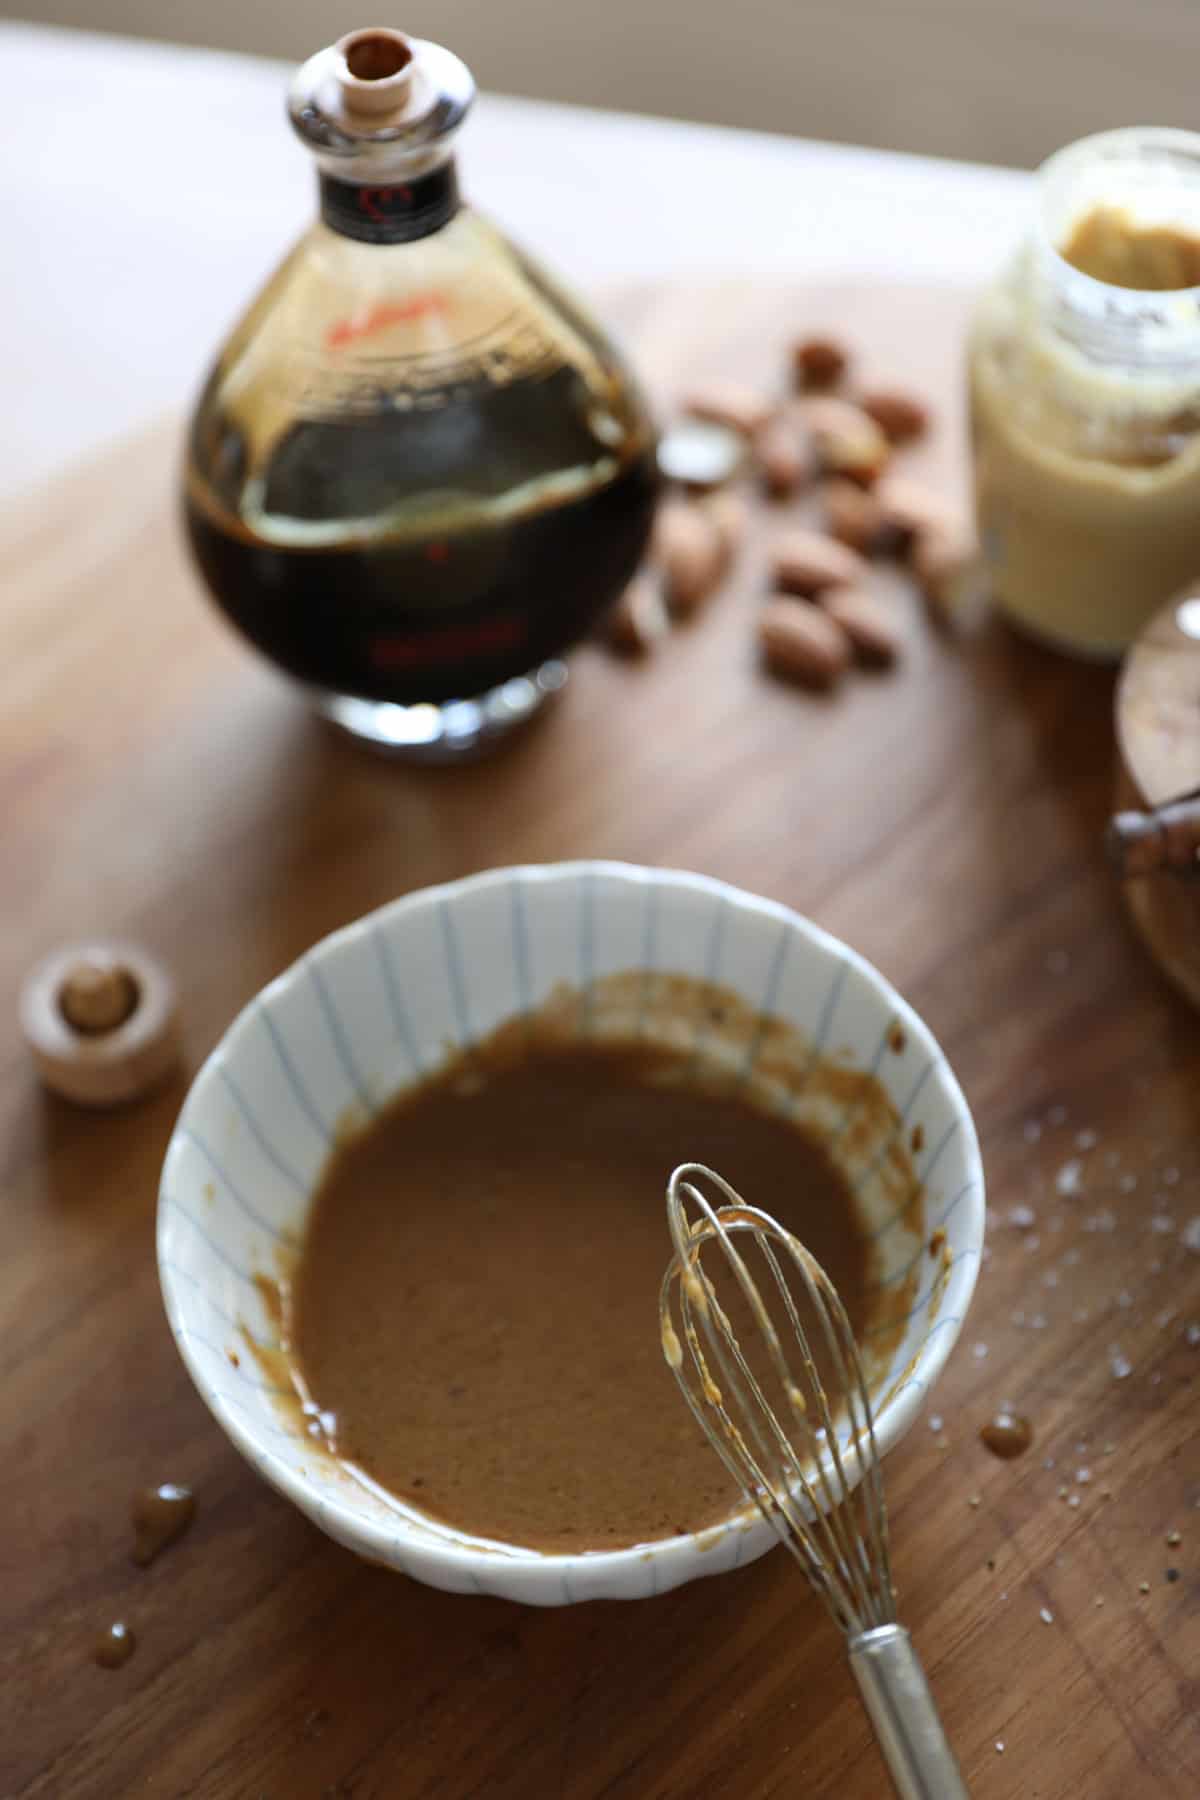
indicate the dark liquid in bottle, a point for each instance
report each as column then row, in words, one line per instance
column 411, row 557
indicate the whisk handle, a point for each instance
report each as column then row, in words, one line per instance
column 896, row 1695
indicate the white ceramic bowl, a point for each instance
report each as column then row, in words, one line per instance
column 379, row 1002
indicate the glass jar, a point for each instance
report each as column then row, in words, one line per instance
column 1084, row 371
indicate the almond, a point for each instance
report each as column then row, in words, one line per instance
column 691, row 549
column 785, row 457
column 818, row 362
column 847, row 441
column 901, row 417
column 639, row 617
column 731, row 516
column 911, row 508
column 729, row 403
column 855, row 517
column 865, row 622
column 945, row 563
column 805, row 562
column 803, row 643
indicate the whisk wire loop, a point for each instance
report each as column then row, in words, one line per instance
column 802, row 1476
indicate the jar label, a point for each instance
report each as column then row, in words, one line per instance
column 391, row 215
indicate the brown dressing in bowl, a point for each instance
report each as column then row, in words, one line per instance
column 474, row 1310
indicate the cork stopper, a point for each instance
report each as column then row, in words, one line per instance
column 99, row 1020
column 374, row 70
column 98, row 993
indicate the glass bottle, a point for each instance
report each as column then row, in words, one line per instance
column 418, row 470
column 1085, row 395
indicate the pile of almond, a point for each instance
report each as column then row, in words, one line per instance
column 820, row 615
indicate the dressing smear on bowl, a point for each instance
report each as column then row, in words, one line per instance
column 471, row 1321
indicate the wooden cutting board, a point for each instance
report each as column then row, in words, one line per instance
column 947, row 820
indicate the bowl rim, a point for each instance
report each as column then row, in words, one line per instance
column 690, row 1554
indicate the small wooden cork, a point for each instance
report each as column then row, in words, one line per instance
column 100, row 1022
column 1158, row 740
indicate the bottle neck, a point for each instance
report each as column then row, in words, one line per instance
column 396, row 213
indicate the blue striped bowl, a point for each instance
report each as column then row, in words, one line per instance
column 376, row 1005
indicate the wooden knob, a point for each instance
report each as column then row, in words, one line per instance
column 1158, row 737
column 100, row 1022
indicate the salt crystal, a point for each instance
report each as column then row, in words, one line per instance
column 1071, row 1257
column 1046, row 1616
column 1021, row 1217
column 1018, row 1318
column 1069, row 1179
column 1000, row 1746
column 1033, row 1131
column 979, row 1351
column 1073, row 1500
column 1174, row 1540
column 1033, row 1242
column 935, row 1422
column 1163, row 1319
column 1080, row 1315
column 1049, row 1463
column 1127, row 1183
column 1085, row 1140
column 1119, row 1364
column 1156, row 1378
column 1050, row 1278
column 1083, row 1476
column 1104, row 1220
column 1191, row 1336
column 1191, row 1236
column 1163, row 1223
column 1038, row 1322
column 1125, row 1299
column 1171, row 1177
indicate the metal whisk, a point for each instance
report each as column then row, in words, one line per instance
column 796, row 1432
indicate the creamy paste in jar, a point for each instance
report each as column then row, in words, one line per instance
column 1087, row 462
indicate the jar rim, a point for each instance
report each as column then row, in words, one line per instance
column 1125, row 145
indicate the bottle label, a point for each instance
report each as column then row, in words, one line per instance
column 391, row 215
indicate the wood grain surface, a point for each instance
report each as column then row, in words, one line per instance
column 158, row 781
